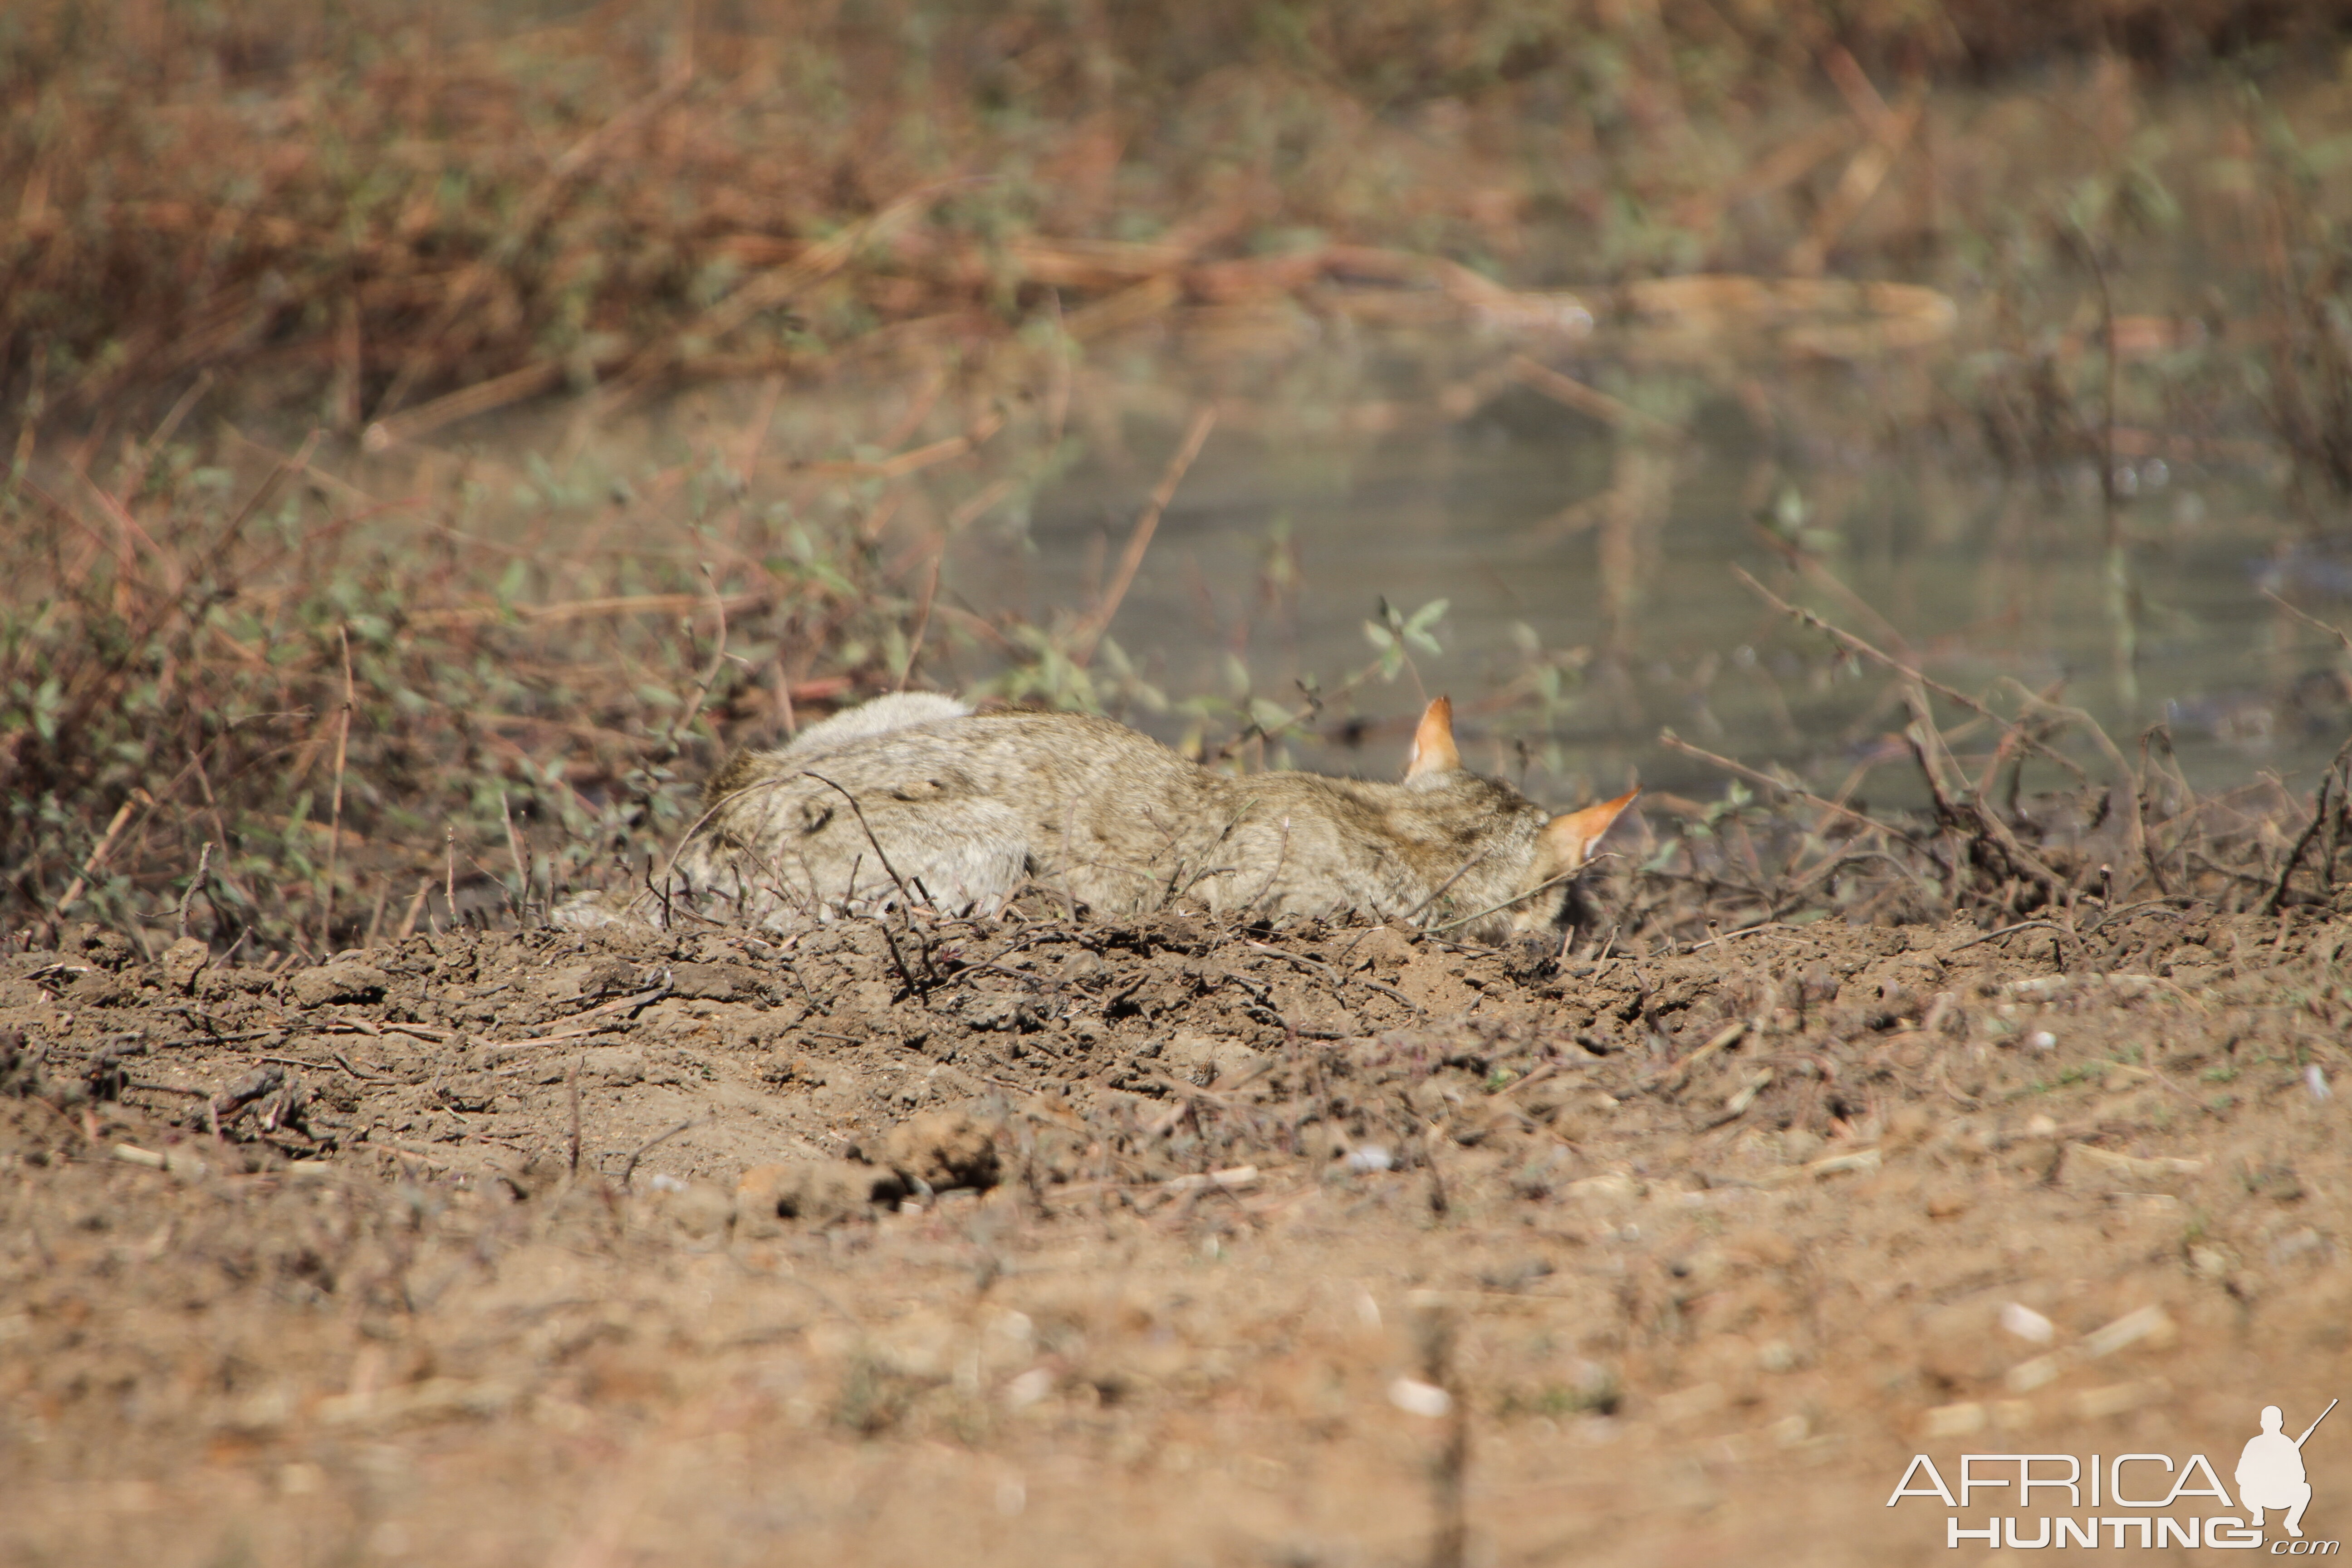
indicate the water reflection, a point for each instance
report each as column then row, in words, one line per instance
column 1595, row 536
column 1581, row 504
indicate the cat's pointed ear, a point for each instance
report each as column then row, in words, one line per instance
column 1569, row 839
column 1433, row 742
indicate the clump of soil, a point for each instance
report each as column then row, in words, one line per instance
column 1162, row 1241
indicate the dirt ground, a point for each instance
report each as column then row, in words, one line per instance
column 1152, row 1243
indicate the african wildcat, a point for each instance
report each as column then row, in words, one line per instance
column 917, row 799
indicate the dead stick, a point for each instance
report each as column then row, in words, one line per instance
column 1335, row 980
column 2009, row 931
column 576, row 1060
column 2077, row 716
column 922, row 615
column 905, row 898
column 1090, row 630
column 2303, row 842
column 335, row 823
column 1854, row 645
column 204, row 864
column 1674, row 742
column 514, row 853
column 1591, row 401
column 265, row 493
column 2140, row 810
column 891, row 871
column 1543, row 887
column 97, row 855
column 416, row 908
column 1927, row 745
column 649, row 1145
column 693, row 708
column 2315, row 624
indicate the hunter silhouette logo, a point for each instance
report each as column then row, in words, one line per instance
column 2270, row 1471
column 2119, row 1501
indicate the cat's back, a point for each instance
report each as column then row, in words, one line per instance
column 1015, row 755
column 881, row 716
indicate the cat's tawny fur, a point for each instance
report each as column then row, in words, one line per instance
column 930, row 804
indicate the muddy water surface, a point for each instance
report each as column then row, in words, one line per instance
column 1542, row 526
column 1579, row 477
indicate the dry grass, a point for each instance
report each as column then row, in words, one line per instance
column 361, row 212
column 380, row 224
column 361, row 703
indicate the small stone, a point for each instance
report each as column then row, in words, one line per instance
column 2151, row 1325
column 1207, row 1059
column 184, row 961
column 2028, row 1325
column 2301, row 1243
column 711, row 983
column 1383, row 949
column 1418, row 1398
column 330, row 983
column 106, row 949
column 1029, row 1387
column 2028, row 1375
column 993, row 1012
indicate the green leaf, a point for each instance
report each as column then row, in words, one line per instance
column 1269, row 716
column 1416, row 629
column 1237, row 677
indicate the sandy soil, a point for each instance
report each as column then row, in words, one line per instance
column 1152, row 1243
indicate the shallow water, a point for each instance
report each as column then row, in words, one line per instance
column 1978, row 576
column 1349, row 467
column 1587, row 554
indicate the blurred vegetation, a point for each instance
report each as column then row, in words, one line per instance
column 377, row 220
column 376, row 202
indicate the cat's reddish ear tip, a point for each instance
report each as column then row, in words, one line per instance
column 1434, row 751
column 1573, row 835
